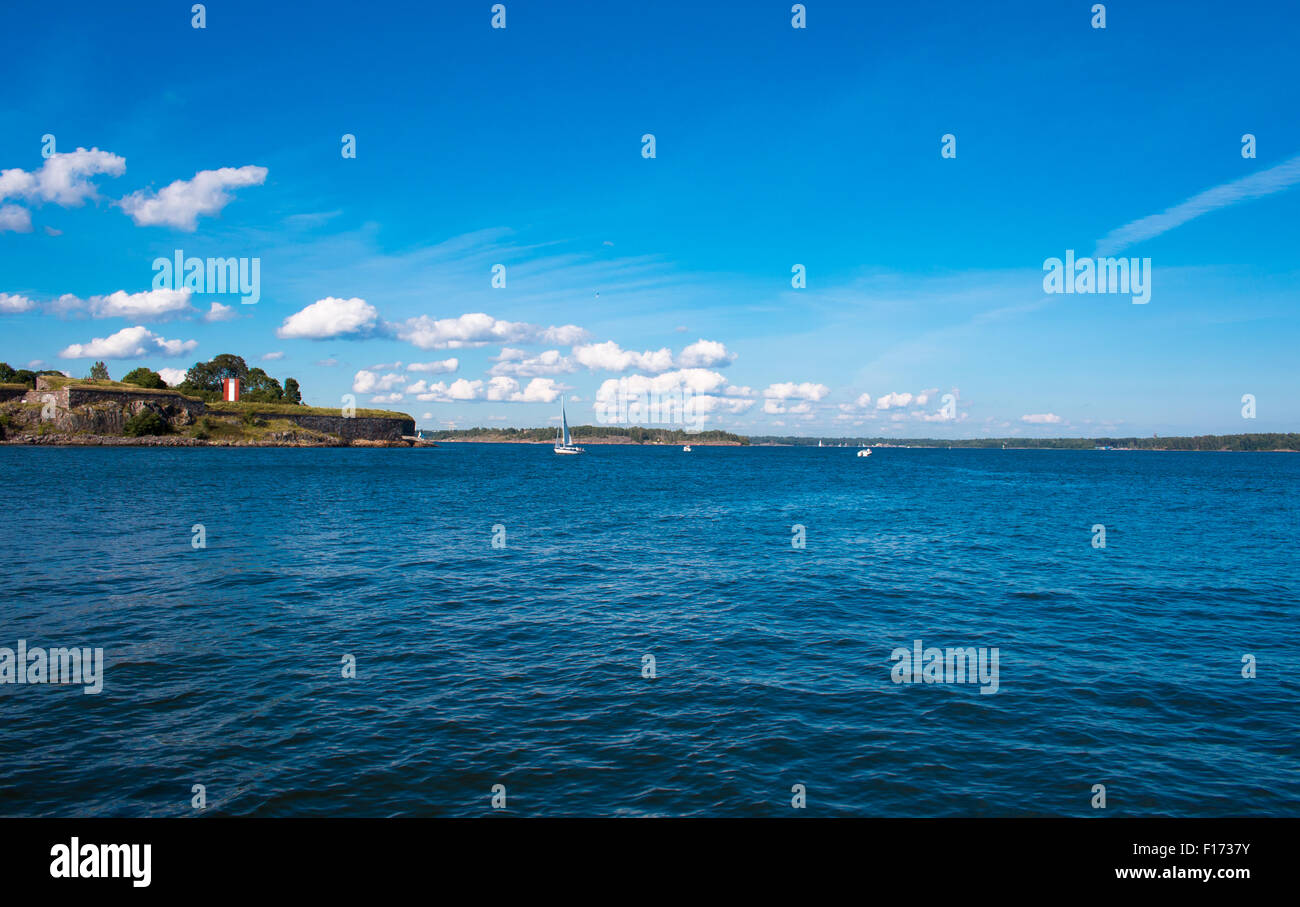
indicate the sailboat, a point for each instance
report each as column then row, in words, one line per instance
column 563, row 443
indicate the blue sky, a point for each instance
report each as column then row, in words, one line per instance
column 775, row 146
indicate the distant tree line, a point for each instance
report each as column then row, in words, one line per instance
column 11, row 375
column 1262, row 441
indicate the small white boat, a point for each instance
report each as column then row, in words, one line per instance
column 865, row 452
column 563, row 443
column 686, row 449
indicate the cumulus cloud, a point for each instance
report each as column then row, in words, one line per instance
column 478, row 329
column 172, row 376
column 331, row 317
column 706, row 354
column 563, row 335
column 128, row 343
column 219, row 312
column 181, row 203
column 521, row 365
column 63, row 179
column 368, row 382
column 791, row 391
column 497, row 389
column 1041, row 419
column 11, row 304
column 150, row 305
column 777, row 397
column 15, row 219
column 610, row 357
column 668, row 390
column 437, row 367
column 273, row 357
column 894, row 401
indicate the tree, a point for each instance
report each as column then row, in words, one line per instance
column 259, row 387
column 144, row 377
column 145, row 422
column 291, row 392
column 204, row 378
column 99, row 372
column 9, row 376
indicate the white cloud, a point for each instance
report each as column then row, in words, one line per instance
column 387, row 398
column 273, row 357
column 180, row 204
column 150, row 305
column 219, row 312
column 706, row 354
column 776, row 397
column 538, row 390
column 436, row 367
column 478, row 329
column 62, row 179
column 791, row 391
column 894, row 401
column 1257, row 185
column 863, row 401
column 368, row 382
column 172, row 376
column 1041, row 419
column 497, row 389
column 519, row 364
column 11, row 304
column 330, row 317
column 563, row 335
column 610, row 357
column 15, row 219
column 128, row 343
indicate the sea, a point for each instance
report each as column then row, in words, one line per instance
column 479, row 629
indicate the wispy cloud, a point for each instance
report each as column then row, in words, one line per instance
column 1266, row 182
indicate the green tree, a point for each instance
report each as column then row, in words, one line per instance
column 204, row 378
column 292, row 393
column 144, row 377
column 8, row 375
column 145, row 422
column 259, row 387
column 99, row 372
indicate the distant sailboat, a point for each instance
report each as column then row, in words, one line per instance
column 563, row 443
column 864, row 452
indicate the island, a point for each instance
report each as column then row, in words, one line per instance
column 52, row 408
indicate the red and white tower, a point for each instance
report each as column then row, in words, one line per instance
column 230, row 390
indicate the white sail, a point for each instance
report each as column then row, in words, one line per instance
column 564, row 418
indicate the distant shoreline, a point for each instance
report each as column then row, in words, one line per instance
column 1272, row 442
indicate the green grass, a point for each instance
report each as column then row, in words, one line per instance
column 293, row 409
